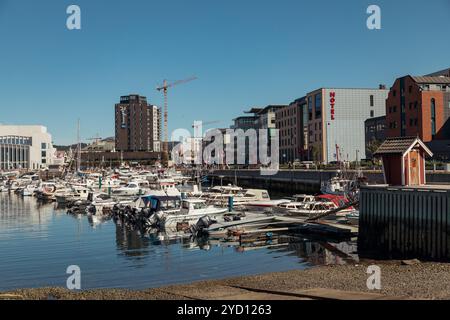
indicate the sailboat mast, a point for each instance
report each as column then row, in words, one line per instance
column 78, row 147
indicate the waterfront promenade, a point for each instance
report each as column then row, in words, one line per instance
column 337, row 282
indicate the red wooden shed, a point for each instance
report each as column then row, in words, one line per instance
column 404, row 161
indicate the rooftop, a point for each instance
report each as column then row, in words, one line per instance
column 445, row 72
column 432, row 80
column 400, row 145
column 254, row 110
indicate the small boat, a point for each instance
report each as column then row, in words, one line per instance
column 261, row 201
column 103, row 202
column 285, row 208
column 134, row 188
column 30, row 190
column 337, row 186
column 312, row 209
column 190, row 212
column 353, row 218
column 46, row 191
column 71, row 194
column 303, row 198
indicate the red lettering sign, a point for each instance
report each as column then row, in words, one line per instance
column 332, row 104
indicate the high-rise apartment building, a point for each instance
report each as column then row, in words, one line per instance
column 138, row 125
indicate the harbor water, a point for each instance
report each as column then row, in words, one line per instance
column 38, row 242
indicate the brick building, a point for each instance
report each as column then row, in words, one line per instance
column 419, row 106
column 138, row 124
column 290, row 122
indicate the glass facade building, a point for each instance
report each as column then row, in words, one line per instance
column 15, row 152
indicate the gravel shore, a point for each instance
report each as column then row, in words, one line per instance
column 417, row 281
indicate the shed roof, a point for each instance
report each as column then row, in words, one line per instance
column 401, row 145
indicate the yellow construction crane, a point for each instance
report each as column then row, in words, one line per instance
column 164, row 88
column 96, row 139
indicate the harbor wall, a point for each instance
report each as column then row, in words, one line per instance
column 404, row 223
column 300, row 181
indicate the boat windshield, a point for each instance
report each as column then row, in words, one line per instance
column 199, row 205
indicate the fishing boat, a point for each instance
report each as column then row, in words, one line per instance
column 337, row 185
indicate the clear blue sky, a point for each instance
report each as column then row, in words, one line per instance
column 244, row 52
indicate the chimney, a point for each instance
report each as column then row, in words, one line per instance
column 382, row 87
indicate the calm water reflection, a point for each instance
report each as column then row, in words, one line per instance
column 39, row 242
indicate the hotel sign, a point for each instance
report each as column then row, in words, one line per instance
column 332, row 104
column 123, row 113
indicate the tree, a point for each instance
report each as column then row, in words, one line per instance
column 315, row 150
column 372, row 147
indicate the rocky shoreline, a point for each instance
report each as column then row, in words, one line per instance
column 399, row 280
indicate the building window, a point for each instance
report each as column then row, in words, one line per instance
column 433, row 117
column 394, row 93
column 318, row 105
column 372, row 113
column 371, row 101
column 310, row 108
column 43, row 146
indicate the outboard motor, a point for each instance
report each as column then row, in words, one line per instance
column 202, row 223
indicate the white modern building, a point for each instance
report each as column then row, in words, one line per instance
column 155, row 142
column 336, row 119
column 25, row 147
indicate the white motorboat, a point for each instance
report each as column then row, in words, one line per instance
column 261, row 201
column 314, row 209
column 102, row 203
column 46, row 191
column 303, row 198
column 220, row 196
column 190, row 212
column 336, row 186
column 134, row 188
column 287, row 207
column 72, row 193
column 30, row 190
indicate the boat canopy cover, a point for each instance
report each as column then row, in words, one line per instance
column 150, row 198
